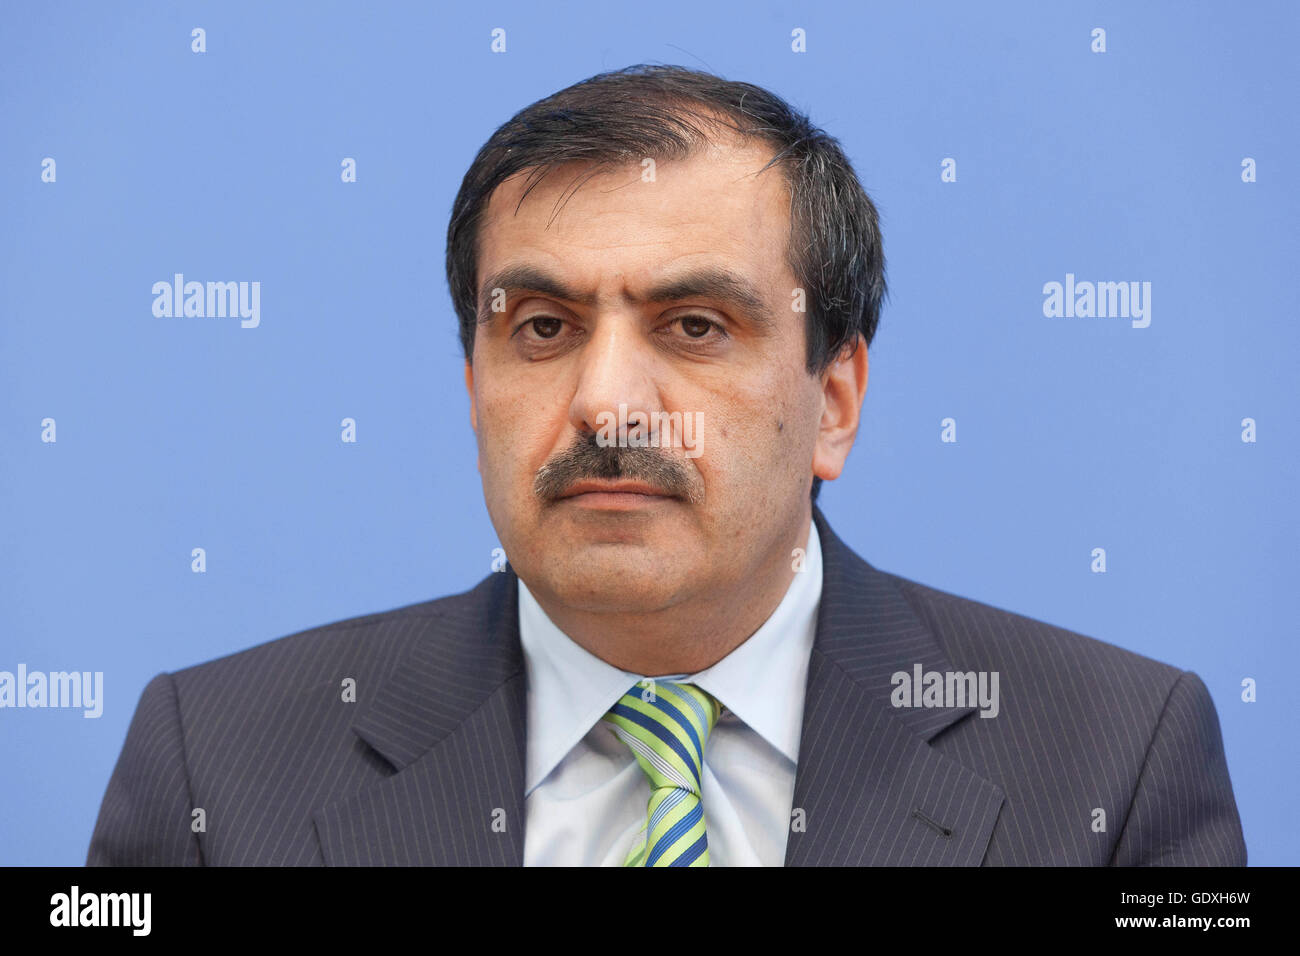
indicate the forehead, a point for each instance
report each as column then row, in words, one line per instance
column 637, row 219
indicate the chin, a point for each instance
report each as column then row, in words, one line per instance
column 612, row 581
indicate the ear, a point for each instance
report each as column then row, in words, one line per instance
column 469, row 387
column 473, row 412
column 844, row 385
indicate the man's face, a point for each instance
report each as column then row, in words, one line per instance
column 552, row 367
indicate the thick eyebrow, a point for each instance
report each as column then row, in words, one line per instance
column 707, row 283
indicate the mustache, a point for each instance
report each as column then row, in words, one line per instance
column 586, row 459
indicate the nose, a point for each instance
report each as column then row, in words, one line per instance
column 617, row 367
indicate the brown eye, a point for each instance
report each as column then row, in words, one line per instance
column 545, row 326
column 695, row 326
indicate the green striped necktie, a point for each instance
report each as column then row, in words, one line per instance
column 667, row 725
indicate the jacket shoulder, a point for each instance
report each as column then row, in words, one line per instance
column 1084, row 725
column 367, row 647
column 341, row 640
column 262, row 737
column 983, row 634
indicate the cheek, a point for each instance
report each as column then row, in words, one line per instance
column 515, row 439
column 499, row 425
column 773, row 434
column 739, row 441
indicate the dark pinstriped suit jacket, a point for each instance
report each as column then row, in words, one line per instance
column 432, row 753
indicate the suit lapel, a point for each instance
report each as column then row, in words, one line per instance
column 872, row 789
column 450, row 722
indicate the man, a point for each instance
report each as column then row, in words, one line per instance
column 667, row 285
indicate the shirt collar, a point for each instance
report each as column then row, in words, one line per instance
column 763, row 681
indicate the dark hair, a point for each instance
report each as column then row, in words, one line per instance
column 667, row 112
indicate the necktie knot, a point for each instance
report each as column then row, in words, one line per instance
column 666, row 725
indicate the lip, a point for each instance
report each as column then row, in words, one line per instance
column 614, row 490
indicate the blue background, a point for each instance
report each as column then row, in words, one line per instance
column 1072, row 433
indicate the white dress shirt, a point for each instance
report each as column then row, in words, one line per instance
column 585, row 794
